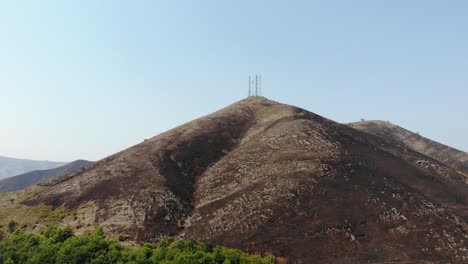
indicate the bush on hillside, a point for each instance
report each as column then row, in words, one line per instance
column 59, row 246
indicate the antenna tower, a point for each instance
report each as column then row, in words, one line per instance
column 253, row 91
column 260, row 84
column 255, row 86
column 250, row 87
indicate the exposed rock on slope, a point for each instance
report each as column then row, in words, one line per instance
column 30, row 178
column 397, row 135
column 10, row 167
column 272, row 178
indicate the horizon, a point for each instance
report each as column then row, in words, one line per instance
column 86, row 80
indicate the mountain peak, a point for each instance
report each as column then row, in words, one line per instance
column 268, row 177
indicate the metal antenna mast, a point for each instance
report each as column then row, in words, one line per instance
column 260, row 84
column 256, row 85
column 250, row 86
column 253, row 91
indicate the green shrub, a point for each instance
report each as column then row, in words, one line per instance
column 59, row 246
column 12, row 226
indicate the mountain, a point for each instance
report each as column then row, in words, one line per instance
column 454, row 158
column 30, row 178
column 271, row 178
column 10, row 166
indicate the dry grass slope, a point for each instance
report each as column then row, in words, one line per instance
column 452, row 157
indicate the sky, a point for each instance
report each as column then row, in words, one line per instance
column 85, row 79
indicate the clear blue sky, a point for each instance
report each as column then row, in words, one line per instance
column 84, row 79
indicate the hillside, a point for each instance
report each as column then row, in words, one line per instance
column 397, row 135
column 272, row 178
column 10, row 167
column 30, row 178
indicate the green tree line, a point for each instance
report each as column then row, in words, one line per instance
column 60, row 246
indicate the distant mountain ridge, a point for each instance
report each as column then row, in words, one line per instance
column 10, row 167
column 452, row 157
column 30, row 178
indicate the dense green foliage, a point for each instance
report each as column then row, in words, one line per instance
column 60, row 245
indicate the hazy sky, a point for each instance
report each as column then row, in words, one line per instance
column 84, row 79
